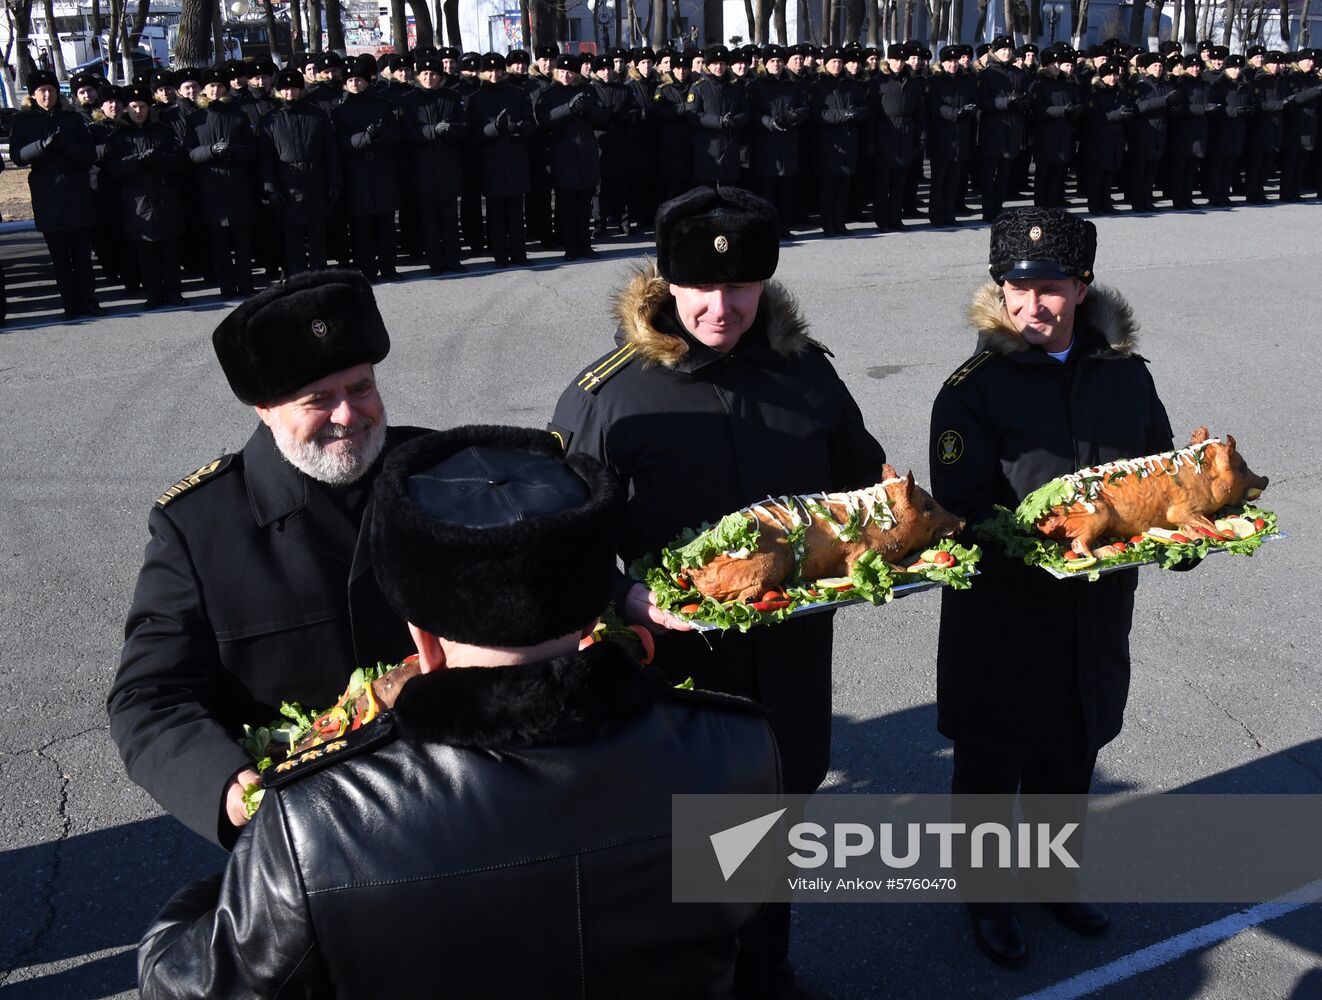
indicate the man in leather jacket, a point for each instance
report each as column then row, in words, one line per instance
column 256, row 585
column 514, row 803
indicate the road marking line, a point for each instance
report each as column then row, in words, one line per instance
column 1162, row 952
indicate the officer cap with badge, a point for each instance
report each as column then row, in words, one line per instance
column 714, row 237
column 1029, row 244
column 291, row 334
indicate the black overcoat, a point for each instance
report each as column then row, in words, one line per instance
column 718, row 111
column 149, row 161
column 574, row 151
column 59, row 181
column 670, row 109
column 1002, row 104
column 778, row 107
column 367, row 158
column 839, row 110
column 896, row 118
column 1229, row 125
column 298, row 161
column 224, row 182
column 503, row 161
column 435, row 154
column 950, row 130
column 1145, row 135
column 1269, row 91
column 1104, row 127
column 256, row 588
column 1025, row 660
column 1057, row 105
column 1300, row 124
column 693, row 435
column 1188, row 124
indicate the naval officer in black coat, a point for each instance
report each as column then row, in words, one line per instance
column 256, row 586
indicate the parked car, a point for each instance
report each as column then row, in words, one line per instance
column 142, row 62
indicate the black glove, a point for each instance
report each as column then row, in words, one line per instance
column 502, row 122
column 439, row 129
column 333, row 194
column 1126, row 112
column 273, row 197
column 374, row 131
column 578, row 104
column 1074, row 110
column 1288, row 101
column 53, row 140
column 968, row 109
column 219, row 148
column 1172, row 99
column 797, row 115
column 854, row 114
column 727, row 121
column 1212, row 108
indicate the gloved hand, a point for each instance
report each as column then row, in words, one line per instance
column 502, row 122
column 1172, row 99
column 220, row 148
column 796, row 116
column 854, row 114
column 271, row 196
column 968, row 109
column 1073, row 110
column 439, row 129
column 727, row 122
column 333, row 194
column 374, row 131
column 53, row 140
column 1212, row 108
column 579, row 103
column 1126, row 112
column 1288, row 101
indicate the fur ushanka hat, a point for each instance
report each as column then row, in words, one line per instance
column 491, row 536
column 711, row 237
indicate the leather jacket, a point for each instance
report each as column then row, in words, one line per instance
column 503, row 832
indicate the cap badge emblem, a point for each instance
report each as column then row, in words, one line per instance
column 1035, row 233
column 318, row 328
column 721, row 244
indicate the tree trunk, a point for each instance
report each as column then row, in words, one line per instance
column 980, row 29
column 450, row 8
column 525, row 22
column 139, row 22
column 399, row 29
column 335, row 26
column 657, row 15
column 782, row 26
column 908, row 19
column 22, row 20
column 761, row 22
column 1154, row 29
column 713, row 20
column 193, row 46
column 956, row 33
column 314, row 25
column 56, row 50
column 1190, row 35
column 853, row 20
column 1229, row 19
column 97, row 27
column 218, row 32
column 873, row 18
column 1081, row 25
column 754, row 18
column 426, row 29
column 1305, row 36
column 295, row 28
column 112, row 43
column 1177, row 12
column 1136, row 13
column 268, row 12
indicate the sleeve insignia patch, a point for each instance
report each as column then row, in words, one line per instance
column 949, row 447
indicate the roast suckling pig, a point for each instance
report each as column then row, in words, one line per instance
column 1171, row 490
column 822, row 535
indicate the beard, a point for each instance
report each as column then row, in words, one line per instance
column 331, row 457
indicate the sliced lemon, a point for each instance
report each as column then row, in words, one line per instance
column 1241, row 526
column 834, row 583
column 1074, row 565
column 1166, row 536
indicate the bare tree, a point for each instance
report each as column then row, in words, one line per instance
column 1177, row 11
column 399, row 30
column 956, row 34
column 139, row 21
column 1081, row 25
column 424, row 27
column 780, row 22
column 753, row 17
column 335, row 27
column 314, row 25
column 1154, row 27
column 874, row 16
column 760, row 26
column 453, row 35
column 268, row 12
column 296, row 43
column 193, row 46
column 20, row 14
column 1228, row 16
column 1190, row 36
column 56, row 49
column 1304, row 34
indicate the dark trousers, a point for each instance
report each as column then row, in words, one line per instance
column 440, row 233
column 1099, row 183
column 994, row 182
column 269, row 242
column 763, row 947
column 833, row 203
column 71, row 257
column 943, row 197
column 780, row 192
column 1218, row 174
column 644, row 188
column 305, row 247
column 505, row 232
column 1049, row 185
column 996, row 770
column 612, row 196
column 913, row 175
column 1293, row 162
column 888, row 196
column 1179, row 180
column 541, row 226
column 470, row 213
column 1258, row 163
column 373, row 238
column 573, row 212
column 231, row 257
column 159, row 263
column 1142, row 179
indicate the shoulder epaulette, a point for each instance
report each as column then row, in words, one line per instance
column 194, row 478
column 380, row 730
column 969, row 367
column 605, row 368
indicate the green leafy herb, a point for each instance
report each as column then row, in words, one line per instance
column 730, row 534
column 1038, row 504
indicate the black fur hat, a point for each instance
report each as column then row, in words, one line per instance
column 293, row 333
column 716, row 237
column 41, row 78
column 490, row 536
column 1028, row 243
column 290, row 79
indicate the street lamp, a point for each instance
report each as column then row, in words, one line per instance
column 1053, row 11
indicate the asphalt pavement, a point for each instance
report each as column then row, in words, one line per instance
column 1226, row 696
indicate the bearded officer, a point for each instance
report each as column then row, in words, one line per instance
column 257, row 587
column 715, row 397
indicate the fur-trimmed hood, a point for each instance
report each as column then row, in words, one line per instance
column 646, row 293
column 1105, row 312
column 531, row 704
